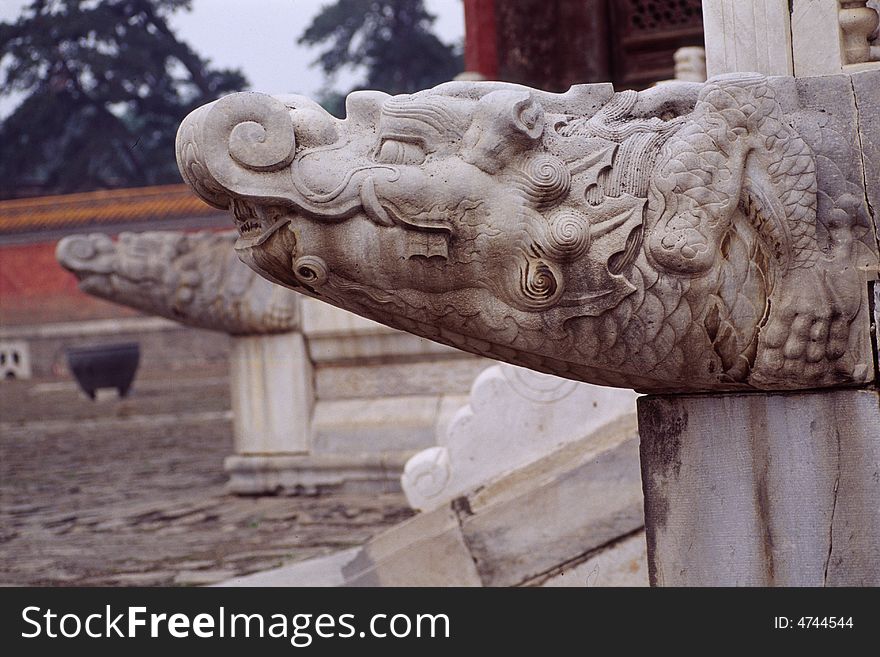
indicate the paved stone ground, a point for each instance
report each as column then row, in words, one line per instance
column 131, row 492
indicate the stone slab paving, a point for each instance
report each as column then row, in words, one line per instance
column 131, row 492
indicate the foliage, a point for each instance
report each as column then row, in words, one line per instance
column 391, row 39
column 105, row 84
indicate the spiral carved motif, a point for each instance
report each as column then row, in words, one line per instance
column 568, row 235
column 545, row 180
column 260, row 134
column 535, row 386
column 540, row 285
column 83, row 249
column 310, row 270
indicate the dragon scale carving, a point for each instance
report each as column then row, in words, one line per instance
column 690, row 237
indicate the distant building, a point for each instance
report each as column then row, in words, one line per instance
column 552, row 44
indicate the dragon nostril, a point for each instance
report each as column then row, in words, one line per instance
column 78, row 248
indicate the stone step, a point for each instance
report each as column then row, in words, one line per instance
column 574, row 517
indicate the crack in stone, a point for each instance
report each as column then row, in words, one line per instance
column 873, row 225
column 461, row 507
column 574, row 562
column 833, row 511
column 864, row 166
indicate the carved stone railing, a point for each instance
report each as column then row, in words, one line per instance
column 513, row 417
column 858, row 23
column 791, row 37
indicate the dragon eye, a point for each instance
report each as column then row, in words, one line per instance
column 395, row 151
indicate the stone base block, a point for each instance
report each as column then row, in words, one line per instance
column 762, row 489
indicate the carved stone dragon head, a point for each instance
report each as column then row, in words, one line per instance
column 599, row 236
column 192, row 278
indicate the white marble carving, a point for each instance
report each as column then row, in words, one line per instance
column 192, row 278
column 272, row 394
column 790, row 37
column 685, row 238
column 762, row 490
column 690, row 64
column 514, row 416
column 833, row 36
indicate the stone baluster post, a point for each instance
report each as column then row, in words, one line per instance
column 272, row 395
column 790, row 37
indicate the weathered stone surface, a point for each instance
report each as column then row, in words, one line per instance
column 427, row 550
column 686, row 238
column 817, row 47
column 572, row 502
column 790, row 37
column 761, row 490
column 192, row 278
column 272, row 394
column 513, row 417
column 579, row 505
column 623, row 564
column 867, row 102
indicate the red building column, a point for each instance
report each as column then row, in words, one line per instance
column 480, row 41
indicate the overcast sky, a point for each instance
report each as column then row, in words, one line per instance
column 259, row 36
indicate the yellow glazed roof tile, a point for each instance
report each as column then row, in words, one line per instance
column 101, row 207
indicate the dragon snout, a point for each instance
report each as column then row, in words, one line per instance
column 86, row 254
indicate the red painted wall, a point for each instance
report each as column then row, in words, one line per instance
column 35, row 289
